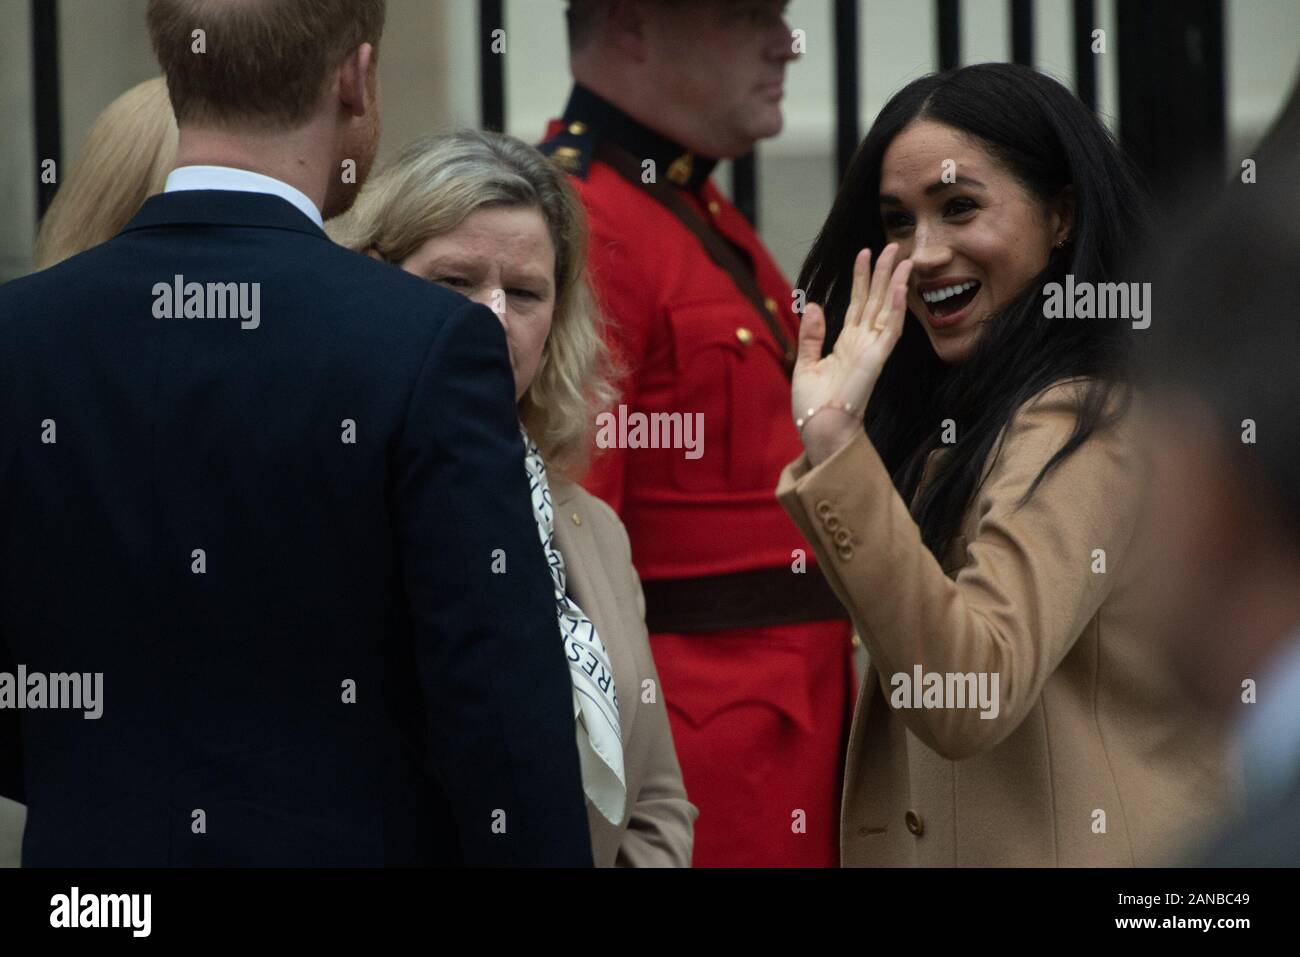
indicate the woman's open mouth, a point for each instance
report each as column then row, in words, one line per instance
column 948, row 305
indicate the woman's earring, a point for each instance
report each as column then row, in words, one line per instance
column 1060, row 244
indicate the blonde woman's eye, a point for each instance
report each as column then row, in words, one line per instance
column 455, row 281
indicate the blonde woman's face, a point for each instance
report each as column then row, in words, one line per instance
column 501, row 257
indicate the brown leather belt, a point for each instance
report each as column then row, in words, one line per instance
column 757, row 599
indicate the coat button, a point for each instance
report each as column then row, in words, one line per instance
column 715, row 207
column 744, row 335
column 577, row 129
column 845, row 553
column 823, row 508
column 856, row 640
column 771, row 305
column 842, row 537
column 914, row 823
column 577, row 519
column 832, row 522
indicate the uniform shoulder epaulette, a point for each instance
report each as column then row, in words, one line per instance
column 571, row 149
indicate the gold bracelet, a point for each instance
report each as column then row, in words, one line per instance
column 845, row 407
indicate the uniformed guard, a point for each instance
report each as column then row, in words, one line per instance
column 752, row 647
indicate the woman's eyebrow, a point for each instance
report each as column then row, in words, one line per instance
column 889, row 199
column 540, row 278
column 958, row 180
column 452, row 261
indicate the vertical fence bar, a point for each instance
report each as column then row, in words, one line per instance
column 948, row 13
column 846, row 84
column 1172, row 103
column 46, row 101
column 491, row 66
column 1085, row 61
column 1022, row 31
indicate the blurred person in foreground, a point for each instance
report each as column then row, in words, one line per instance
column 1225, row 356
column 256, row 489
column 127, row 158
column 755, row 651
column 486, row 215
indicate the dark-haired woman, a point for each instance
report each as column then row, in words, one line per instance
column 982, row 527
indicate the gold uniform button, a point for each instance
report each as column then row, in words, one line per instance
column 914, row 823
column 715, row 207
column 577, row 129
column 577, row 519
column 744, row 335
column 771, row 305
column 856, row 640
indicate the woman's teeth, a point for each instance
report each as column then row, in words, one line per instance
column 939, row 295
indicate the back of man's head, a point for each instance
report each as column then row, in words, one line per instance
column 256, row 63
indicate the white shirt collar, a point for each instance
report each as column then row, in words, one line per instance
column 242, row 181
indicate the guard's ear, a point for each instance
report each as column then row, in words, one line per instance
column 373, row 253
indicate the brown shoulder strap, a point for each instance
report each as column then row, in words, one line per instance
column 719, row 250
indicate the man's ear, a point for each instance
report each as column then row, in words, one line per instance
column 356, row 87
column 373, row 253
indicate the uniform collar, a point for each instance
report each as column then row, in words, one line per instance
column 681, row 166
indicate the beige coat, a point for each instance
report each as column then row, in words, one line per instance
column 659, row 822
column 1095, row 756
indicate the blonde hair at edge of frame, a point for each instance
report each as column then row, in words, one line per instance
column 431, row 188
column 125, row 160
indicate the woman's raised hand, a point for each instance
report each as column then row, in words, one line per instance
column 830, row 394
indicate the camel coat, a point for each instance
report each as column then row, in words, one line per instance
column 658, row 824
column 1095, row 757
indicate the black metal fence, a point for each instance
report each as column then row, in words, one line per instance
column 1172, row 109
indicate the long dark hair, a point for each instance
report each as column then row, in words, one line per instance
column 1048, row 140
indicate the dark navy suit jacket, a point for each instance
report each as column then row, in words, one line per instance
column 314, row 651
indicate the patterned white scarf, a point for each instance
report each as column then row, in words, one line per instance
column 595, row 699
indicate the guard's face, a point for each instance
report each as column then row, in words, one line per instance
column 722, row 62
column 500, row 257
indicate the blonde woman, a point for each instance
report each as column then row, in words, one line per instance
column 126, row 159
column 488, row 216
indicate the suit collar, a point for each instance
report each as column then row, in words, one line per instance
column 212, row 207
column 242, row 181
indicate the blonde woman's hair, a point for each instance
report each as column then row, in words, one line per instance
column 126, row 159
column 437, row 182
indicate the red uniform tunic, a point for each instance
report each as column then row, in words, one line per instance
column 759, row 714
